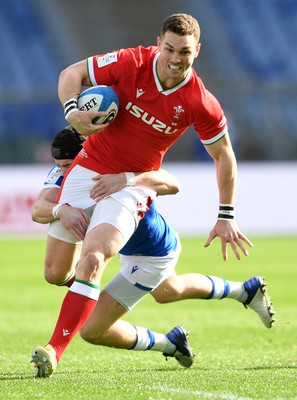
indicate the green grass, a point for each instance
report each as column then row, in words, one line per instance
column 236, row 357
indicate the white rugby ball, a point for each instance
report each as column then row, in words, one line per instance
column 99, row 98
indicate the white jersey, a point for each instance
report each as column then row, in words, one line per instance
column 54, row 178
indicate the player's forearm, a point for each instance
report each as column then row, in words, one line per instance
column 42, row 211
column 160, row 181
column 226, row 169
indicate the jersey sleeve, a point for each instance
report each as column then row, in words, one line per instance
column 107, row 69
column 54, row 178
column 210, row 122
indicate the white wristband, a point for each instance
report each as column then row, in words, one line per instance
column 55, row 210
column 70, row 112
column 226, row 212
column 130, row 179
column 69, row 107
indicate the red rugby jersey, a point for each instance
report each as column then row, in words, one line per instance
column 150, row 118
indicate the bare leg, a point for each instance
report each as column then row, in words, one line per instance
column 104, row 326
column 106, row 329
column 60, row 260
column 182, row 287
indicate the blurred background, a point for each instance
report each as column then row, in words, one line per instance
column 247, row 60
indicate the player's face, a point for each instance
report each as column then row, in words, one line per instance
column 64, row 165
column 177, row 54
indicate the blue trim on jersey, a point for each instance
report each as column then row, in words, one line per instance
column 153, row 237
column 57, row 183
column 54, row 177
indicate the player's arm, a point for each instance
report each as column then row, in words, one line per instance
column 226, row 170
column 71, row 81
column 42, row 209
column 74, row 219
column 162, row 182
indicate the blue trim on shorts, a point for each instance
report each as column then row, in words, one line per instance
column 147, row 289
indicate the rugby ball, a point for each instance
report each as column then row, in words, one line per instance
column 99, row 98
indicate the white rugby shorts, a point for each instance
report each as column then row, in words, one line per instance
column 120, row 209
column 139, row 275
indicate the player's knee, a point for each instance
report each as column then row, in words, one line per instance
column 165, row 295
column 52, row 275
column 85, row 335
column 89, row 336
column 161, row 299
column 90, row 265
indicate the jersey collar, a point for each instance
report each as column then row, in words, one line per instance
column 160, row 88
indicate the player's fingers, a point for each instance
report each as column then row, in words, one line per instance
column 81, row 231
column 224, row 250
column 100, row 195
column 241, row 246
column 245, row 239
column 86, row 219
column 96, row 192
column 233, row 245
column 76, row 234
column 211, row 237
column 96, row 178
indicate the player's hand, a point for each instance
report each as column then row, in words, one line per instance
column 228, row 232
column 75, row 220
column 82, row 121
column 106, row 185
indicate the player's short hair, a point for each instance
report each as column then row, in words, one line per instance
column 67, row 144
column 181, row 24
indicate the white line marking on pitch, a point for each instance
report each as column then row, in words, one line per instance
column 197, row 393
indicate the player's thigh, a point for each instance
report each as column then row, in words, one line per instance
column 104, row 238
column 124, row 292
column 147, row 272
column 60, row 255
column 111, row 226
column 112, row 213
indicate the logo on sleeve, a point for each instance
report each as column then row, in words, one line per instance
column 108, row 58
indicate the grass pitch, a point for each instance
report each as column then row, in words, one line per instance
column 236, row 356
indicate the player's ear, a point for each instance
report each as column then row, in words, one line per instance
column 198, row 47
column 158, row 41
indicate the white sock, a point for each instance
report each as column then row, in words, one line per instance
column 149, row 340
column 229, row 289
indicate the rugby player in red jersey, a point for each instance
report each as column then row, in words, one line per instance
column 160, row 97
